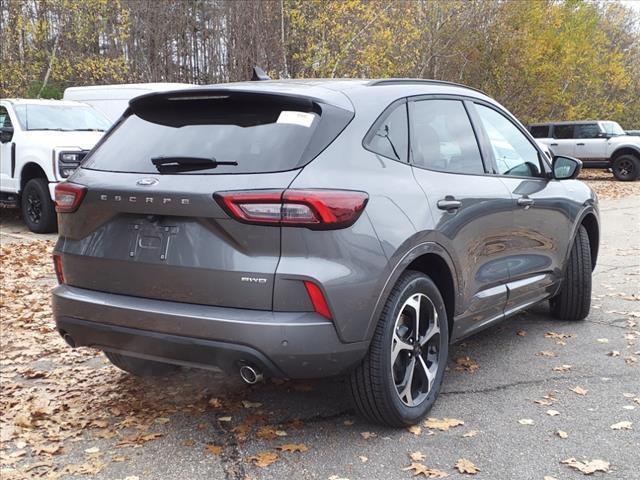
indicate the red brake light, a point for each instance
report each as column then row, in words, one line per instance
column 68, row 196
column 314, row 209
column 57, row 265
column 317, row 299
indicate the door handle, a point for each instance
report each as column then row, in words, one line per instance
column 449, row 204
column 553, row 144
column 580, row 144
column 526, row 202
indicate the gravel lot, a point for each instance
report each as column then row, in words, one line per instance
column 70, row 414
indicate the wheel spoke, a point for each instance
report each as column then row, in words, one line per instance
column 406, row 394
column 429, row 375
column 397, row 346
column 434, row 328
column 414, row 303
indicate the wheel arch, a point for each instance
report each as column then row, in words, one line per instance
column 625, row 151
column 590, row 223
column 434, row 261
column 29, row 171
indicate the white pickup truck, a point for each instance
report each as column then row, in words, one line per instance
column 598, row 143
column 41, row 143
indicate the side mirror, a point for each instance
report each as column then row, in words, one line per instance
column 6, row 134
column 566, row 168
column 602, row 135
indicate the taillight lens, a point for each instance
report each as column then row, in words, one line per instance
column 314, row 209
column 68, row 196
column 317, row 299
column 57, row 265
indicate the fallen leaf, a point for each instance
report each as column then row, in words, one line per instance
column 215, row 402
column 92, row 450
column 363, row 459
column 368, row 435
column 214, row 449
column 248, row 404
column 465, row 364
column 588, row 467
column 224, row 419
column 521, row 333
column 603, row 340
column 293, row 447
column 348, row 423
column 579, row 390
column 466, row 466
column 613, row 353
column 545, row 353
column 267, row 432
column 415, row 429
column 547, row 477
column 625, row 425
column 442, row 425
column 417, row 456
column 264, row 459
column 562, row 434
column 562, row 368
column 419, row 469
column 471, row 433
column 553, row 413
column 525, row 421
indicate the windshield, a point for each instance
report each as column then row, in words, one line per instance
column 613, row 128
column 61, row 117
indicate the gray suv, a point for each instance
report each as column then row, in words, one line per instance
column 311, row 228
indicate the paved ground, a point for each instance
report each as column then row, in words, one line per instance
column 190, row 408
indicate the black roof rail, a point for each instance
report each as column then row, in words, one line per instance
column 405, row 81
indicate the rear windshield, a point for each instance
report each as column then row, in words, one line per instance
column 242, row 133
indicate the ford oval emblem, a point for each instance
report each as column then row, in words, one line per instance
column 145, row 182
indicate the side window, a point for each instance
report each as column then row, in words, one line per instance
column 563, row 132
column 539, row 131
column 5, row 121
column 587, row 130
column 514, row 153
column 442, row 137
column 391, row 138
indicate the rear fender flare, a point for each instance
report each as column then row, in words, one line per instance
column 398, row 269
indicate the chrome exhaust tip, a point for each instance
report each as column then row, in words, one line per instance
column 250, row 375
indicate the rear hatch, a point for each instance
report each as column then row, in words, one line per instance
column 148, row 225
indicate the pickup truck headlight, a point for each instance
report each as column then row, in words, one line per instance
column 68, row 162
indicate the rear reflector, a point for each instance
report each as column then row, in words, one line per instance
column 317, row 299
column 57, row 265
column 68, row 196
column 314, row 209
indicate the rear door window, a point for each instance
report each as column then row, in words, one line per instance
column 539, row 131
column 588, row 130
column 442, row 137
column 244, row 133
column 563, row 132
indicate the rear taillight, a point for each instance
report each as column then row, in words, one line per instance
column 317, row 299
column 57, row 265
column 314, row 209
column 68, row 196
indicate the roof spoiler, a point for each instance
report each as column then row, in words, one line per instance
column 259, row 75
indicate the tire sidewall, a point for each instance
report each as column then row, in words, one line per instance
column 48, row 219
column 417, row 284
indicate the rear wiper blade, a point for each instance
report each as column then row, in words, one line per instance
column 186, row 164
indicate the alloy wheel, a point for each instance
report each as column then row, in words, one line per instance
column 415, row 349
column 625, row 168
column 34, row 208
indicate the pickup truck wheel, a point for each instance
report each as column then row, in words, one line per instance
column 626, row 168
column 38, row 211
column 139, row 366
column 574, row 299
column 400, row 377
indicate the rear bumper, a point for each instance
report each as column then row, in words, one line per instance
column 282, row 344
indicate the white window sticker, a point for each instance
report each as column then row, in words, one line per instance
column 296, row 118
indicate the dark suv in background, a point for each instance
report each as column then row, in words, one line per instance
column 317, row 228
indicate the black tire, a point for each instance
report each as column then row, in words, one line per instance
column 139, row 366
column 38, row 211
column 626, row 168
column 372, row 384
column 574, row 299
